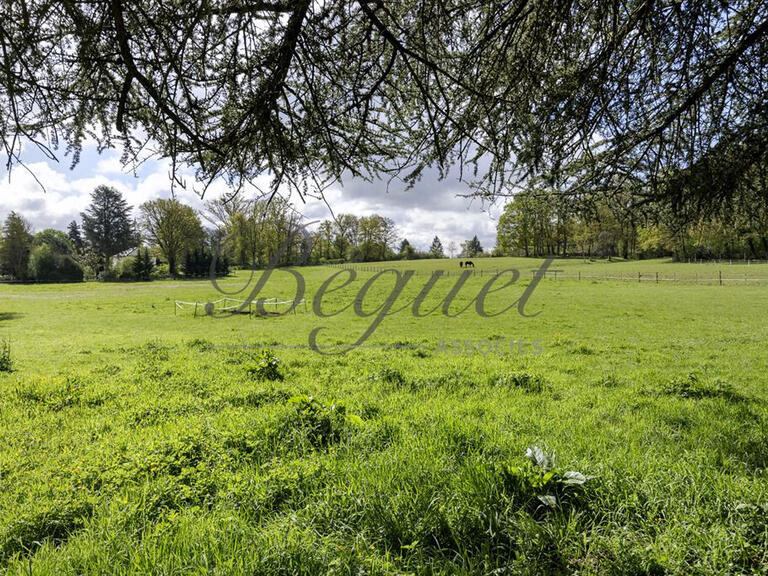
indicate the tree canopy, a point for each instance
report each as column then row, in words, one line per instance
column 593, row 96
column 173, row 227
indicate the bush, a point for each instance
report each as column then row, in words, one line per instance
column 46, row 265
column 323, row 425
column 6, row 363
column 123, row 270
column 161, row 271
column 267, row 366
column 539, row 486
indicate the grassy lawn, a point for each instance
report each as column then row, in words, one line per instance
column 137, row 439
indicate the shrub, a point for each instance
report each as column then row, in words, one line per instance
column 322, row 424
column 389, row 376
column 539, row 485
column 123, row 269
column 6, row 363
column 46, row 265
column 266, row 367
column 199, row 344
column 161, row 271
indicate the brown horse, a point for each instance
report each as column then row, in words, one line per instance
column 469, row 264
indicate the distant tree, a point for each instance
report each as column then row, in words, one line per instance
column 406, row 251
column 107, row 224
column 324, row 240
column 16, row 247
column 606, row 244
column 56, row 239
column 47, row 265
column 75, row 236
column 173, row 227
column 197, row 263
column 471, row 248
column 377, row 236
column 143, row 264
column 436, row 249
column 452, row 248
column 347, row 232
column 514, row 229
column 52, row 258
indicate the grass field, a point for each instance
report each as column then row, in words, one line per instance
column 140, row 440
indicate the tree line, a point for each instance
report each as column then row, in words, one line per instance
column 169, row 238
column 543, row 222
column 108, row 243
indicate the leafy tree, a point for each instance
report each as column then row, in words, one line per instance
column 347, row 228
column 56, row 239
column 376, row 236
column 173, row 227
column 52, row 258
column 436, row 249
column 48, row 265
column 107, row 224
column 324, row 240
column 471, row 248
column 514, row 229
column 15, row 247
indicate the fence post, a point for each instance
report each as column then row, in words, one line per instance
column 579, row 275
column 657, row 277
column 720, row 275
column 638, row 277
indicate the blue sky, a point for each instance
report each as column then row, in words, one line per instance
column 431, row 208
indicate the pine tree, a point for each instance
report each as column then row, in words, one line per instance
column 75, row 236
column 436, row 250
column 471, row 248
column 143, row 264
column 108, row 225
column 406, row 252
column 16, row 247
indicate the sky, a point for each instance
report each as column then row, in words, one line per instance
column 433, row 207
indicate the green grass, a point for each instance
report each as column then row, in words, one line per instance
column 136, row 440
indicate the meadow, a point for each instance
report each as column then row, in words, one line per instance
column 620, row 427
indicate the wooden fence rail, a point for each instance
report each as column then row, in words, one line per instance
column 713, row 277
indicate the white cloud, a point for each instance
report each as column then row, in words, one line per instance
column 431, row 208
